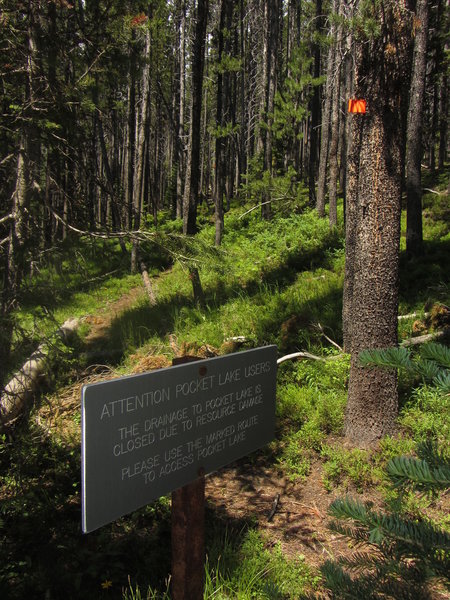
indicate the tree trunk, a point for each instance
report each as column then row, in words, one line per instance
column 25, row 204
column 443, row 124
column 414, row 236
column 334, row 130
column 373, row 223
column 315, row 110
column 267, row 100
column 180, row 145
column 131, row 136
column 220, row 158
column 191, row 189
column 142, row 147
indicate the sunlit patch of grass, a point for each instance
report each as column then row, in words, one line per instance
column 242, row 566
column 427, row 415
column 343, row 467
column 308, row 411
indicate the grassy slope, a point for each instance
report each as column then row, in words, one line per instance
column 272, row 284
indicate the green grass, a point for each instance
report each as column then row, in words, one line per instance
column 240, row 565
column 272, row 283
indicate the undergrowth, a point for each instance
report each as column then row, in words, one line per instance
column 278, row 282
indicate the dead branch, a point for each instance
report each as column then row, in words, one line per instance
column 274, row 507
column 333, row 343
column 423, row 339
column 412, row 316
column 299, row 355
column 6, row 218
column 296, row 355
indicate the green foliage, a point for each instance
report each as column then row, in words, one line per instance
column 308, row 411
column 401, row 555
column 429, row 472
column 426, row 414
column 291, row 103
column 347, row 467
column 133, row 592
column 431, row 364
column 242, row 566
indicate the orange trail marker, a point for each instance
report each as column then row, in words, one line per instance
column 356, row 106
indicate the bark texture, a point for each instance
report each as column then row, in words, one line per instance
column 373, row 223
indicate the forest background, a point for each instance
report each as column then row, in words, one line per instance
column 141, row 135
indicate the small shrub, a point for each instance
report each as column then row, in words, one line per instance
column 345, row 467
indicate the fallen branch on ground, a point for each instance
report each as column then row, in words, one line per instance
column 295, row 355
column 433, row 191
column 412, row 316
column 24, row 383
column 423, row 339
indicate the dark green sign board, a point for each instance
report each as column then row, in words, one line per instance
column 146, row 435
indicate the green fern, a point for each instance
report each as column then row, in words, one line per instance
column 442, row 382
column 406, row 470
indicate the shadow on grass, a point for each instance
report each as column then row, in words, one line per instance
column 139, row 324
column 426, row 276
column 45, row 555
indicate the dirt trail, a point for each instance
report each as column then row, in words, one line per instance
column 100, row 323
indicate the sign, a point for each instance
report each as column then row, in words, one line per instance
column 356, row 106
column 146, row 435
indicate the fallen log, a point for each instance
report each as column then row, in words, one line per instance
column 148, row 284
column 24, row 383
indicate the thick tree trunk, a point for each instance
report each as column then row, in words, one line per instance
column 414, row 152
column 373, row 224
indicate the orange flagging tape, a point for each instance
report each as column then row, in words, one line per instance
column 356, row 106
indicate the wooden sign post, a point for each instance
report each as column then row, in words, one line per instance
column 188, row 533
column 188, row 541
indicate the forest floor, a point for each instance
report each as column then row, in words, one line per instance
column 267, row 514
column 252, row 490
column 289, row 512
